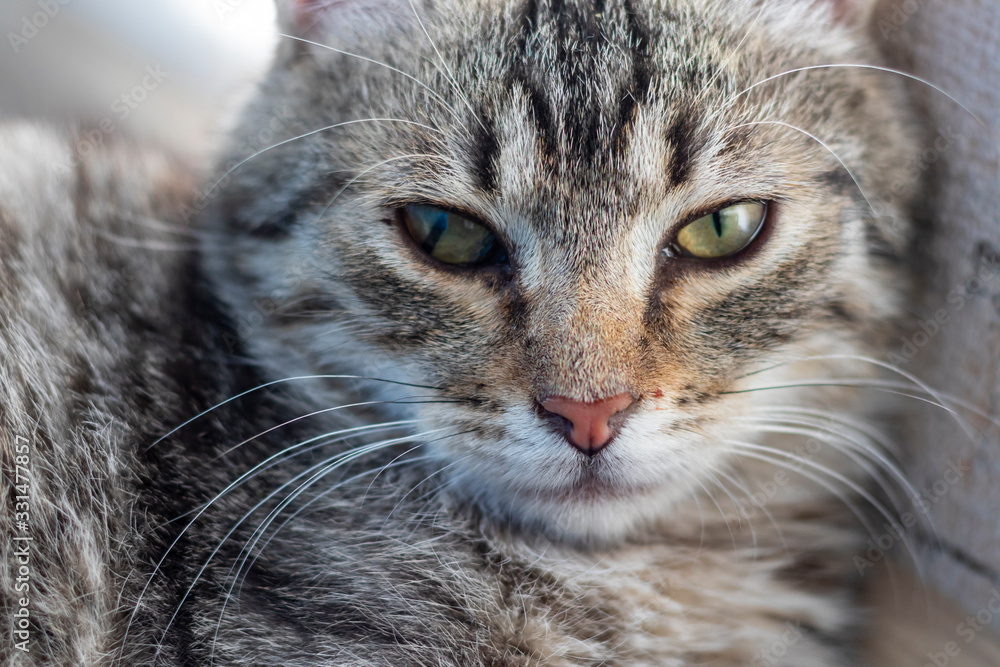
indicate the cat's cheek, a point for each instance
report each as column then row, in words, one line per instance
column 453, row 325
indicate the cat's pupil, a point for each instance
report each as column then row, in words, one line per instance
column 722, row 233
column 449, row 237
column 438, row 228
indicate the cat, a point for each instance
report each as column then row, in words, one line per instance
column 533, row 338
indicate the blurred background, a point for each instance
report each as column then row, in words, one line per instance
column 172, row 70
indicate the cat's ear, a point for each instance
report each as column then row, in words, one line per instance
column 851, row 12
column 342, row 20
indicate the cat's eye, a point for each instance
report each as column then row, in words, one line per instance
column 722, row 233
column 450, row 237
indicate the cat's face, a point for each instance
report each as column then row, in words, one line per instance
column 512, row 209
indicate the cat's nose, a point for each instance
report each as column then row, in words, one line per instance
column 591, row 425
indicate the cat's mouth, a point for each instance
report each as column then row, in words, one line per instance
column 577, row 498
column 597, row 479
column 531, row 472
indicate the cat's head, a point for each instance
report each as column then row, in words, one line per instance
column 582, row 223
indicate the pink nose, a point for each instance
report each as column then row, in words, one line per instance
column 591, row 425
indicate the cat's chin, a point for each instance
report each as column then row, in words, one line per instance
column 585, row 515
column 601, row 520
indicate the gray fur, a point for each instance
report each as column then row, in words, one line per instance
column 583, row 134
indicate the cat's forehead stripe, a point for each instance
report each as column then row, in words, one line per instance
column 486, row 152
column 598, row 58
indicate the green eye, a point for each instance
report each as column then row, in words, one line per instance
column 450, row 237
column 722, row 233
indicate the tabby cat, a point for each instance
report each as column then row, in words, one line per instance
column 532, row 337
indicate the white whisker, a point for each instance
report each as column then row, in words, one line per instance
column 749, row 495
column 245, row 565
column 749, row 31
column 858, row 66
column 412, row 78
column 819, row 141
column 240, row 480
column 276, row 382
column 448, row 74
column 721, row 512
column 860, row 383
column 779, row 457
column 853, row 449
column 401, row 401
column 416, row 486
column 369, row 169
column 317, row 131
column 326, row 467
column 738, row 506
column 930, row 391
column 889, row 384
column 286, row 454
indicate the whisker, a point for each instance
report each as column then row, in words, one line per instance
column 732, row 536
column 406, row 401
column 853, row 486
column 749, row 495
column 161, row 226
column 871, row 443
column 859, row 383
column 954, row 400
column 701, row 514
column 818, row 141
column 312, row 132
column 396, row 506
column 749, row 449
column 737, row 506
column 327, row 466
column 259, row 532
column 146, row 244
column 855, row 451
column 430, row 509
column 412, row 78
column 951, row 398
column 734, row 53
column 930, row 391
column 369, row 169
column 854, row 509
column 242, row 478
column 829, row 416
column 282, row 381
column 245, row 566
column 876, row 455
column 448, row 74
column 284, row 455
column 860, row 66
column 865, row 440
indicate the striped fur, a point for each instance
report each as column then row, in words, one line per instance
column 584, row 133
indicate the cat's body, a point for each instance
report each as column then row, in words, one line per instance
column 476, row 535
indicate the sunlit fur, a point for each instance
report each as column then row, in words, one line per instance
column 453, row 525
